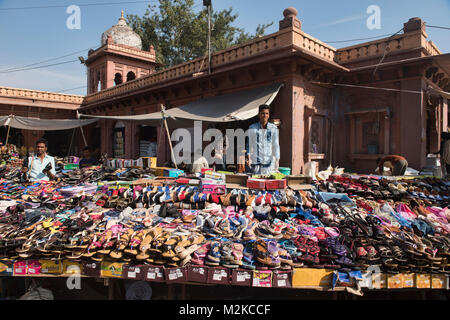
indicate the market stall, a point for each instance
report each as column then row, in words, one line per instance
column 162, row 225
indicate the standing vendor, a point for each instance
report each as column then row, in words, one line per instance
column 263, row 148
column 397, row 164
column 41, row 166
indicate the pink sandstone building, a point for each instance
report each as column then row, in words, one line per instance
column 328, row 109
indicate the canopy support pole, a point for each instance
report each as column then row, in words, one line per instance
column 7, row 135
column 170, row 143
column 168, row 136
column 84, row 138
column 82, row 132
column 71, row 142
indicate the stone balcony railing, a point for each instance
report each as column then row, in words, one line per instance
column 432, row 49
column 124, row 49
column 40, row 95
column 409, row 40
column 257, row 46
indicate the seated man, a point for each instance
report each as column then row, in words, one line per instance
column 397, row 164
column 41, row 166
column 87, row 159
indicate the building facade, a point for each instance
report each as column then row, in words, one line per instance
column 328, row 108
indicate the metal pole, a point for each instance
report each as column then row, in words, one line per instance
column 209, row 39
column 170, row 143
column 7, row 135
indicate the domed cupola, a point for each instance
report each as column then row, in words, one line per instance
column 121, row 33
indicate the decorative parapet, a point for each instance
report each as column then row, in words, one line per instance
column 40, row 95
column 125, row 49
column 258, row 46
column 414, row 37
column 432, row 49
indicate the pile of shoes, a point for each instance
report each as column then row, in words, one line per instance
column 177, row 224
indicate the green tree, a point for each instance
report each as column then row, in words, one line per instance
column 179, row 34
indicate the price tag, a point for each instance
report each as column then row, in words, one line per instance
column 131, row 274
column 173, row 276
column 217, row 276
column 282, row 283
column 151, row 275
column 241, row 277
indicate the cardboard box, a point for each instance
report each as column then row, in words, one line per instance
column 236, row 180
column 33, row 267
column 175, row 275
column 133, row 272
column 282, row 279
column 259, row 184
column 379, row 281
column 159, row 171
column 91, row 269
column 197, row 274
column 153, row 273
column 149, row 162
column 218, row 275
column 439, row 281
column 20, row 268
column 72, row 267
column 409, row 280
column 214, row 175
column 395, row 281
column 173, row 173
column 111, row 269
column 214, row 189
column 366, row 281
column 310, row 277
column 299, row 182
column 274, row 184
column 262, row 278
column 423, row 281
column 241, row 277
column 51, row 267
column 6, row 267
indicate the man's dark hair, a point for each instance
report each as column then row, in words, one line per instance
column 378, row 160
column 264, row 107
column 42, row 140
column 87, row 149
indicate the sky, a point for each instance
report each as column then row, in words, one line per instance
column 33, row 35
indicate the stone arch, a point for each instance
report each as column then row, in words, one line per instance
column 118, row 79
column 131, row 76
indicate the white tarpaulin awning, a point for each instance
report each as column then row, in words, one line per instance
column 234, row 106
column 43, row 124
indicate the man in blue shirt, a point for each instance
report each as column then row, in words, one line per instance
column 39, row 165
column 263, row 148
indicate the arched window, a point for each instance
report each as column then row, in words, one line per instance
column 131, row 76
column 118, row 79
column 99, row 83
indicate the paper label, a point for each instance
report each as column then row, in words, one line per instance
column 173, row 276
column 131, row 274
column 151, row 275
column 241, row 278
column 281, row 283
column 217, row 276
